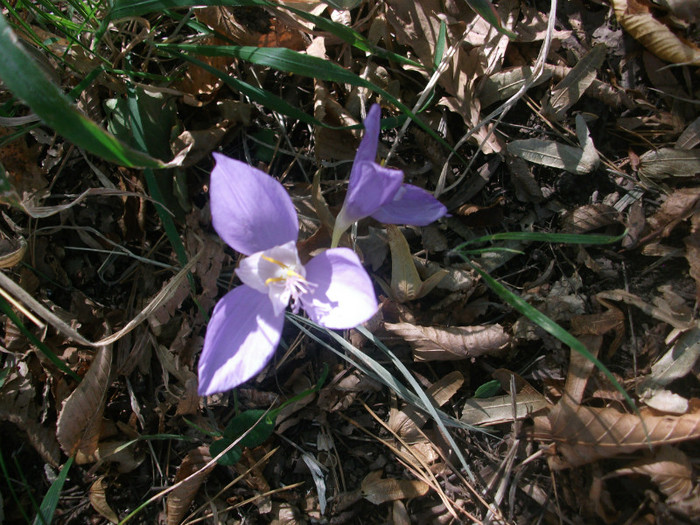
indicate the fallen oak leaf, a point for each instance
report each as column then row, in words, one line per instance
column 583, row 434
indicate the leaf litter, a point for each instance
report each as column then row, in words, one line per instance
column 604, row 141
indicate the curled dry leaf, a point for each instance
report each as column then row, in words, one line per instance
column 585, row 434
column 98, row 500
column 12, row 252
column 662, row 314
column 677, row 207
column 636, row 18
column 674, row 364
column 406, row 284
column 190, row 475
column 669, row 468
column 377, row 490
column 590, row 217
column 124, row 455
column 80, row 421
column 453, row 343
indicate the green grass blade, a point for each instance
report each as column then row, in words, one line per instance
column 128, row 8
column 25, row 79
column 50, row 501
column 427, row 403
column 549, row 326
column 256, row 94
column 289, row 61
column 563, row 238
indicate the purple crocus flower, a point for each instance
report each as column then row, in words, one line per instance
column 253, row 214
column 379, row 192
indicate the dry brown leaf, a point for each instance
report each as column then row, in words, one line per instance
column 406, row 284
column 677, row 207
column 181, row 497
column 567, row 92
column 406, row 421
column 690, row 136
column 18, row 406
column 635, row 17
column 501, row 409
column 451, row 343
column 669, row 162
column 506, row 83
column 417, row 25
column 12, row 251
column 378, row 491
column 666, row 315
column 585, row 434
column 578, row 160
column 590, row 217
column 80, row 420
column 123, row 454
column 669, row 468
column 692, row 252
column 98, row 500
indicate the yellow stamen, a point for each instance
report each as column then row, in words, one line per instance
column 274, row 280
column 274, row 261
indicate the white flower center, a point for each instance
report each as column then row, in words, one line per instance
column 277, row 272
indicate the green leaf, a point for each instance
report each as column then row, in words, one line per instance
column 251, row 428
column 26, row 80
column 249, row 424
column 50, row 501
column 440, row 45
column 488, row 389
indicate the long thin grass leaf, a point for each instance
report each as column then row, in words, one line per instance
column 128, row 8
column 551, row 327
column 50, row 501
column 563, row 238
column 26, row 80
column 289, row 61
column 427, row 403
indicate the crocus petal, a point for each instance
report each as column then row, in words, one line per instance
column 241, row 338
column 250, row 210
column 374, row 186
column 367, row 152
column 411, row 205
column 342, row 295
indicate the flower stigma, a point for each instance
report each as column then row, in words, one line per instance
column 279, row 273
